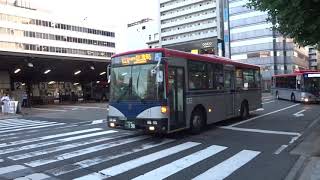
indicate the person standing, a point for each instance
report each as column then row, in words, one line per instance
column 5, row 101
column 24, row 99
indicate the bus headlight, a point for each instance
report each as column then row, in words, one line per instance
column 112, row 124
column 152, row 128
column 306, row 100
column 149, row 122
column 164, row 109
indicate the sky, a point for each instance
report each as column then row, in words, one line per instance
column 106, row 13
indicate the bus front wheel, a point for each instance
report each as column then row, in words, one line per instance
column 197, row 122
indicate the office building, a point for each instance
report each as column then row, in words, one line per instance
column 191, row 25
column 43, row 53
column 314, row 58
column 142, row 34
column 249, row 38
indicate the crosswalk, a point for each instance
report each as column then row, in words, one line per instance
column 43, row 150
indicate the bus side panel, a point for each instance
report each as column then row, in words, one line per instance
column 252, row 96
column 210, row 100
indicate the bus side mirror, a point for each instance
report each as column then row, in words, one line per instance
column 159, row 76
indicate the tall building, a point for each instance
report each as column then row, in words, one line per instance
column 249, row 38
column 191, row 25
column 46, row 54
column 142, row 34
column 314, row 58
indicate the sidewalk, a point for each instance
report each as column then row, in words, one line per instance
column 308, row 165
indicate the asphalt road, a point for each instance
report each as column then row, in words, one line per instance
column 75, row 143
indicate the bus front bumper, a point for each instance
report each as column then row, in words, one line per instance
column 149, row 125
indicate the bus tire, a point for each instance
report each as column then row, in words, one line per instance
column 244, row 111
column 293, row 98
column 197, row 121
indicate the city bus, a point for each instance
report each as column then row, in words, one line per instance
column 300, row 86
column 164, row 91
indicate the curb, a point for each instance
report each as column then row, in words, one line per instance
column 297, row 169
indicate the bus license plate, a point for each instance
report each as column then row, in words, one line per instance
column 130, row 125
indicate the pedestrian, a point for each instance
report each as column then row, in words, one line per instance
column 25, row 100
column 5, row 102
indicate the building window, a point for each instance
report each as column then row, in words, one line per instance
column 143, row 27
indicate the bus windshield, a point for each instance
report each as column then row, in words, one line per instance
column 312, row 84
column 136, row 82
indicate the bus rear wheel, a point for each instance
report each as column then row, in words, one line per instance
column 197, row 122
column 244, row 111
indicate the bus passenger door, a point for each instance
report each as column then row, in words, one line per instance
column 229, row 84
column 176, row 98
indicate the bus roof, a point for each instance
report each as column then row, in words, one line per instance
column 298, row 72
column 186, row 55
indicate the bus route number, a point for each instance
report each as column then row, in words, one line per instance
column 189, row 100
column 130, row 125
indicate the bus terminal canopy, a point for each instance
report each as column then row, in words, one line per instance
column 44, row 69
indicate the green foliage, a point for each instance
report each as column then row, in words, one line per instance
column 297, row 19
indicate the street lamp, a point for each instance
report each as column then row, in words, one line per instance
column 77, row 72
column 102, row 73
column 17, row 70
column 47, row 71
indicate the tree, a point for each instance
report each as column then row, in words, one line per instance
column 297, row 19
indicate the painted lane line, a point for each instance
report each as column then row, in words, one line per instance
column 261, row 131
column 103, row 159
column 99, row 121
column 42, row 144
column 85, row 107
column 280, row 149
column 260, row 109
column 37, row 127
column 267, row 102
column 67, row 146
column 263, row 115
column 49, row 137
column 36, row 176
column 126, row 166
column 21, row 123
column 53, row 110
column 180, row 164
column 294, row 139
column 299, row 114
column 8, row 169
column 69, row 155
column 266, row 99
column 227, row 167
column 21, row 126
column 16, row 135
column 1, row 160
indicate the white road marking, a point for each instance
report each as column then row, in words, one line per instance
column 299, row 114
column 80, row 152
column 266, row 99
column 180, row 164
column 103, row 159
column 20, row 122
column 37, row 127
column 42, row 144
column 1, row 160
column 263, row 115
column 280, row 149
column 29, row 125
column 13, row 168
column 227, row 167
column 294, row 139
column 261, row 131
column 260, row 109
column 49, row 137
column 126, row 166
column 85, row 107
column 99, row 121
column 267, row 102
column 14, row 135
column 53, row 110
column 36, row 176
column 67, row 146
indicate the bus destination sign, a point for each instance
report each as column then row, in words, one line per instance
column 141, row 58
